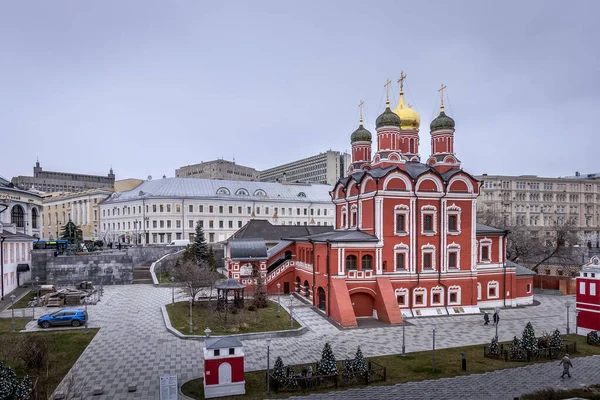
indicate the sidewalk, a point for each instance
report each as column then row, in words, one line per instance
column 18, row 292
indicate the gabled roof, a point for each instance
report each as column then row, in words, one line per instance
column 339, row 236
column 521, row 271
column 247, row 248
column 486, row 229
column 263, row 229
column 222, row 343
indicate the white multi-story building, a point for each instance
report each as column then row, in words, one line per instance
column 218, row 169
column 326, row 168
column 168, row 209
column 539, row 202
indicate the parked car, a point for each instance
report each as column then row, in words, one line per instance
column 179, row 242
column 64, row 317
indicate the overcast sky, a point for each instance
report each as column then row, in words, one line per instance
column 148, row 86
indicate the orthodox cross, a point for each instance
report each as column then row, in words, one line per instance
column 441, row 90
column 387, row 90
column 360, row 107
column 401, row 80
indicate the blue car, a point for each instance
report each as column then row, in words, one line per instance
column 64, row 317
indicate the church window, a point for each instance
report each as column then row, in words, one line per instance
column 428, row 223
column 436, row 298
column 452, row 260
column 351, row 262
column 401, row 299
column 354, row 218
column 492, row 289
column 485, row 252
column 427, row 261
column 367, row 262
column 400, row 223
column 452, row 223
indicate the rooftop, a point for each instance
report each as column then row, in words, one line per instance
column 263, row 229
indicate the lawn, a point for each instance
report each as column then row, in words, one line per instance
column 63, row 349
column 413, row 367
column 23, row 302
column 204, row 315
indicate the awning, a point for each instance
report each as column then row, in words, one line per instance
column 22, row 267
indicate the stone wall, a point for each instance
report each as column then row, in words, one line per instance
column 106, row 269
column 146, row 255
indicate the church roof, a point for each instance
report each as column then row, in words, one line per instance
column 263, row 229
column 247, row 248
column 486, row 229
column 520, row 270
column 222, row 343
column 339, row 236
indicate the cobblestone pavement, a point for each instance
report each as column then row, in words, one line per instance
column 133, row 346
column 497, row 385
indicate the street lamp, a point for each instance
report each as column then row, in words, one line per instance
column 172, row 279
column 278, row 299
column 291, row 311
column 433, row 351
column 568, row 305
column 191, row 324
column 12, row 318
column 207, row 332
column 403, row 324
column 37, row 297
column 268, row 365
column 576, row 326
column 497, row 321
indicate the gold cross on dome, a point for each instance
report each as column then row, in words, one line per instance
column 441, row 90
column 387, row 90
column 360, row 107
column 401, row 80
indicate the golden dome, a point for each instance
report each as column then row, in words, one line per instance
column 409, row 118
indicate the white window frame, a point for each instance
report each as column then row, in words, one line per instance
column 495, row 285
column 456, row 211
column 429, row 210
column 401, row 210
column 478, row 290
column 344, row 216
column 485, row 242
column 421, row 291
column 401, row 249
column 402, row 292
column 454, row 289
column 428, row 249
column 353, row 223
column 592, row 288
column 437, row 290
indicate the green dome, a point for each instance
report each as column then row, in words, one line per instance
column 442, row 122
column 388, row 118
column 360, row 135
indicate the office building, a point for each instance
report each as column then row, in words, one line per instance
column 326, row 168
column 218, row 169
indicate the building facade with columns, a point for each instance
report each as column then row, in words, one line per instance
column 160, row 211
column 406, row 242
column 20, row 208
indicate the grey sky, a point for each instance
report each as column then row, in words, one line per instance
column 148, row 86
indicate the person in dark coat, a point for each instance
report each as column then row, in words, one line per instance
column 566, row 363
column 486, row 318
column 496, row 318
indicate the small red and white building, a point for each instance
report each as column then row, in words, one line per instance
column 406, row 240
column 588, row 295
column 223, row 367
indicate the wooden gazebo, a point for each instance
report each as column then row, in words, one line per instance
column 223, row 289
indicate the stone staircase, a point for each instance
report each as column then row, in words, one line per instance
column 141, row 274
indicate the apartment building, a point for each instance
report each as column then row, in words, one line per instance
column 326, row 168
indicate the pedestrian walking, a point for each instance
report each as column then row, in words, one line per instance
column 566, row 363
column 486, row 318
column 495, row 318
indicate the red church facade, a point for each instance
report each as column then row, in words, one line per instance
column 588, row 295
column 405, row 238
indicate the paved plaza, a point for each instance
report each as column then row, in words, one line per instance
column 134, row 347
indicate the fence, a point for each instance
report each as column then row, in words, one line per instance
column 306, row 381
column 546, row 353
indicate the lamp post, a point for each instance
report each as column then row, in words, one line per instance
column 291, row 311
column 191, row 323
column 403, row 324
column 207, row 332
column 268, row 365
column 497, row 321
column 12, row 318
column 172, row 279
column 433, row 351
column 37, row 297
column 85, row 330
column 278, row 298
column 568, row 305
column 576, row 326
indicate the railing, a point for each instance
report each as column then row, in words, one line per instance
column 522, row 355
column 279, row 270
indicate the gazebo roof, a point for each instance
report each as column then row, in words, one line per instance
column 230, row 284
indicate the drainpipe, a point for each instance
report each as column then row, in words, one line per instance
column 328, row 279
column 314, row 269
column 442, row 217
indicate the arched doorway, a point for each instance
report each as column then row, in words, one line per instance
column 322, row 299
column 17, row 216
column 297, row 284
column 306, row 289
column 225, row 373
column 363, row 304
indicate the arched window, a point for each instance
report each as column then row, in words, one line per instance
column 322, row 299
column 17, row 216
column 367, row 262
column 223, row 191
column 34, row 218
column 306, row 289
column 351, row 262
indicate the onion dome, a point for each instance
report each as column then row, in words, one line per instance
column 361, row 134
column 388, row 118
column 442, row 122
column 409, row 118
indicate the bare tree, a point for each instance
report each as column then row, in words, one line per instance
column 192, row 277
column 534, row 247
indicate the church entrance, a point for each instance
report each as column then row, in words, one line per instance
column 363, row 304
column 322, row 299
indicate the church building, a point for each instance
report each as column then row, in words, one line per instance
column 405, row 242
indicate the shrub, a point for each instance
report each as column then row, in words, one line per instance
column 494, row 348
column 593, row 337
column 556, row 339
column 359, row 364
column 543, row 342
column 251, row 307
column 515, row 346
column 528, row 341
column 327, row 365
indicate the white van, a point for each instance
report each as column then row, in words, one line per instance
column 183, row 242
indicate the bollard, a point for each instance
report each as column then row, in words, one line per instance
column 463, row 362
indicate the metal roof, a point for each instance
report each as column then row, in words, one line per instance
column 520, row 270
column 482, row 229
column 225, row 189
column 222, row 343
column 339, row 236
column 247, row 248
column 263, row 229
column 230, row 284
column 278, row 247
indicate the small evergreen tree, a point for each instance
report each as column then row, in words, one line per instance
column 279, row 369
column 11, row 387
column 494, row 347
column 556, row 339
column 348, row 366
column 359, row 364
column 200, row 246
column 515, row 347
column 260, row 299
column 528, row 340
column 72, row 233
column 327, row 365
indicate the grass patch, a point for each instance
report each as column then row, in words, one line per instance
column 23, row 302
column 590, row 393
column 204, row 315
column 413, row 367
column 163, row 277
column 63, row 349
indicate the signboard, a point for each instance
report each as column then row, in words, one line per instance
column 168, row 387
